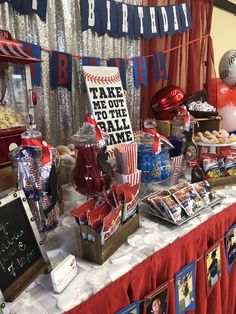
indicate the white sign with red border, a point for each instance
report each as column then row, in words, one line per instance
column 108, row 103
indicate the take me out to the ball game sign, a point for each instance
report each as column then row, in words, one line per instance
column 108, row 103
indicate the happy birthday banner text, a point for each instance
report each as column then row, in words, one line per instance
column 119, row 19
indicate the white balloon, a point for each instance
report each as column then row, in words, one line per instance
column 228, row 114
column 227, row 68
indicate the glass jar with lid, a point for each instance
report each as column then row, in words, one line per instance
column 88, row 177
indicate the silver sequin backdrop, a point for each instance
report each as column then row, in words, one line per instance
column 60, row 113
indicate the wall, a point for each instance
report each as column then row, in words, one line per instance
column 223, row 28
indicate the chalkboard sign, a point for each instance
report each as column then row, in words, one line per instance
column 22, row 257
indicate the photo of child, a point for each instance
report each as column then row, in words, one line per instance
column 185, row 289
column 213, row 266
column 156, row 301
column 230, row 246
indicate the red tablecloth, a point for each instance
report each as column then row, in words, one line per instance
column 163, row 265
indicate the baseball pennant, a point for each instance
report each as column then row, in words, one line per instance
column 35, row 68
column 119, row 63
column 61, row 74
column 140, row 71
column 120, row 19
column 173, row 14
column 125, row 14
column 31, row 6
column 185, row 16
column 93, row 61
column 91, row 15
column 159, row 66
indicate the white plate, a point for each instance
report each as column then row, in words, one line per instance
column 215, row 144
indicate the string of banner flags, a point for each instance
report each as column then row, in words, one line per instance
column 120, row 19
column 61, row 65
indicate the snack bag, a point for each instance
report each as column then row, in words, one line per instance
column 209, row 196
column 130, row 202
column 230, row 163
column 213, row 165
column 154, row 200
column 178, row 187
column 111, row 224
column 96, row 215
column 201, row 192
column 189, row 200
column 172, row 207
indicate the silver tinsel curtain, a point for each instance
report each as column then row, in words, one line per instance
column 60, row 113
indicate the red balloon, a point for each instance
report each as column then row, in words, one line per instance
column 233, row 96
column 224, row 94
column 219, row 94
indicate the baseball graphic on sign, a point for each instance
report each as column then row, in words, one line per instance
column 108, row 103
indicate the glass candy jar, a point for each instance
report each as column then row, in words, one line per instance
column 35, row 164
column 88, row 177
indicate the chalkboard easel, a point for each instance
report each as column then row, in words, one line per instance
column 22, row 255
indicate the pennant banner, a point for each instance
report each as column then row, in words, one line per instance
column 140, row 71
column 29, row 6
column 120, row 19
column 35, row 68
column 61, row 75
column 93, row 61
column 119, row 63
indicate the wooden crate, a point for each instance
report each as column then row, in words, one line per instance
column 164, row 127
column 7, row 180
column 95, row 251
column 208, row 124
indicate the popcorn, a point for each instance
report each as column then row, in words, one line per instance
column 8, row 118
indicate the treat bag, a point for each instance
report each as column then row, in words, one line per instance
column 36, row 176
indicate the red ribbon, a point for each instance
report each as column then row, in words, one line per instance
column 186, row 114
column 39, row 143
column 90, row 119
column 157, row 138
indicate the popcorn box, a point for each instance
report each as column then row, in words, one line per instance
column 133, row 178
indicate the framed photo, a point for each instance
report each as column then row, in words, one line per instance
column 133, row 308
column 230, row 247
column 156, row 302
column 213, row 266
column 185, row 288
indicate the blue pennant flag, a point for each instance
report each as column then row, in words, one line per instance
column 61, row 74
column 31, row 6
column 173, row 19
column 125, row 18
column 119, row 63
column 163, row 20
column 140, row 21
column 91, row 15
column 153, row 20
column 94, row 61
column 17, row 5
column 159, row 66
column 109, row 22
column 185, row 16
column 35, row 68
column 140, row 71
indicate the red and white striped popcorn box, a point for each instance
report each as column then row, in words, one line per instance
column 133, row 178
column 132, row 154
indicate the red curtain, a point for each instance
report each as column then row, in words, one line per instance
column 163, row 265
column 190, row 67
